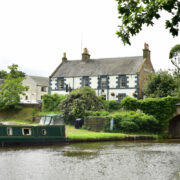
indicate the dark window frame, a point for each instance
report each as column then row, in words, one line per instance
column 120, row 78
column 106, row 82
column 61, row 79
column 85, row 84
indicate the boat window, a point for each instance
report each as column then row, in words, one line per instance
column 58, row 120
column 9, row 131
column 44, row 132
column 26, row 131
column 45, row 120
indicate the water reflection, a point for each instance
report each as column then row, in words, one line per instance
column 112, row 160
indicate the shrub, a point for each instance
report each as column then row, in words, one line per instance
column 78, row 101
column 129, row 103
column 161, row 108
column 51, row 102
column 132, row 122
column 96, row 113
column 111, row 105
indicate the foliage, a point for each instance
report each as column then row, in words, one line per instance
column 174, row 56
column 3, row 74
column 96, row 113
column 78, row 101
column 111, row 105
column 129, row 103
column 160, row 84
column 135, row 13
column 161, row 108
column 51, row 102
column 12, row 88
column 133, row 122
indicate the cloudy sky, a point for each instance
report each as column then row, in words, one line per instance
column 35, row 33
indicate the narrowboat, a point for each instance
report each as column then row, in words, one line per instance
column 51, row 130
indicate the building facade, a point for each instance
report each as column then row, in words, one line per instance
column 114, row 78
column 38, row 86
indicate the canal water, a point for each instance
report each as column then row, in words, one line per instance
column 93, row 161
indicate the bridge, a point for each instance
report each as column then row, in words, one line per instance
column 174, row 124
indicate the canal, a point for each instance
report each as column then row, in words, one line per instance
column 93, row 161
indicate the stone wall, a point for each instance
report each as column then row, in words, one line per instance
column 95, row 123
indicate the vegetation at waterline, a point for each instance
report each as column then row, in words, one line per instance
column 82, row 134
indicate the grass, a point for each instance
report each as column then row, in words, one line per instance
column 82, row 134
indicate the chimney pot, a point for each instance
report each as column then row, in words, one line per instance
column 85, row 55
column 64, row 57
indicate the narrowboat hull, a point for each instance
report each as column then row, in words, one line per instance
column 13, row 135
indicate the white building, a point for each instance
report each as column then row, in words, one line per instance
column 113, row 78
column 38, row 86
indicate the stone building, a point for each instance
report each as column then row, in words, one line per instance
column 114, row 78
column 38, row 86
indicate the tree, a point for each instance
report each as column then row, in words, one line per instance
column 160, row 84
column 135, row 13
column 3, row 74
column 174, row 56
column 12, row 88
column 78, row 101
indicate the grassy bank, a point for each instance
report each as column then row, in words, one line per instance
column 85, row 135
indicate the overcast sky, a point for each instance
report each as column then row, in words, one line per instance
column 35, row 33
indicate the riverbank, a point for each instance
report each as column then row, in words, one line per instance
column 82, row 135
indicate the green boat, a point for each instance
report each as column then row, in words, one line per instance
column 51, row 130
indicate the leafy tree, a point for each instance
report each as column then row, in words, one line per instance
column 3, row 74
column 135, row 13
column 174, row 56
column 160, row 84
column 78, row 102
column 12, row 88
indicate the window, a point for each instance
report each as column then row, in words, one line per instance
column 103, row 83
column 61, row 83
column 26, row 131
column 9, row 131
column 122, row 81
column 26, row 97
column 43, row 131
column 85, row 81
column 43, row 89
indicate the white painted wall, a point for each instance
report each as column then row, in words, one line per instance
column 112, row 81
column 94, row 82
column 76, row 83
column 132, row 80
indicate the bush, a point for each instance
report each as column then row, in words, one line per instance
column 111, row 105
column 51, row 102
column 96, row 113
column 78, row 101
column 129, row 103
column 132, row 122
column 161, row 108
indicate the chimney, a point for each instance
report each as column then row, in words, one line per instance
column 146, row 51
column 85, row 55
column 64, row 59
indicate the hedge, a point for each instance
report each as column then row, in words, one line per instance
column 161, row 108
column 132, row 122
column 51, row 102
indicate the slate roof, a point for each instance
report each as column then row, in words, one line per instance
column 42, row 81
column 96, row 67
